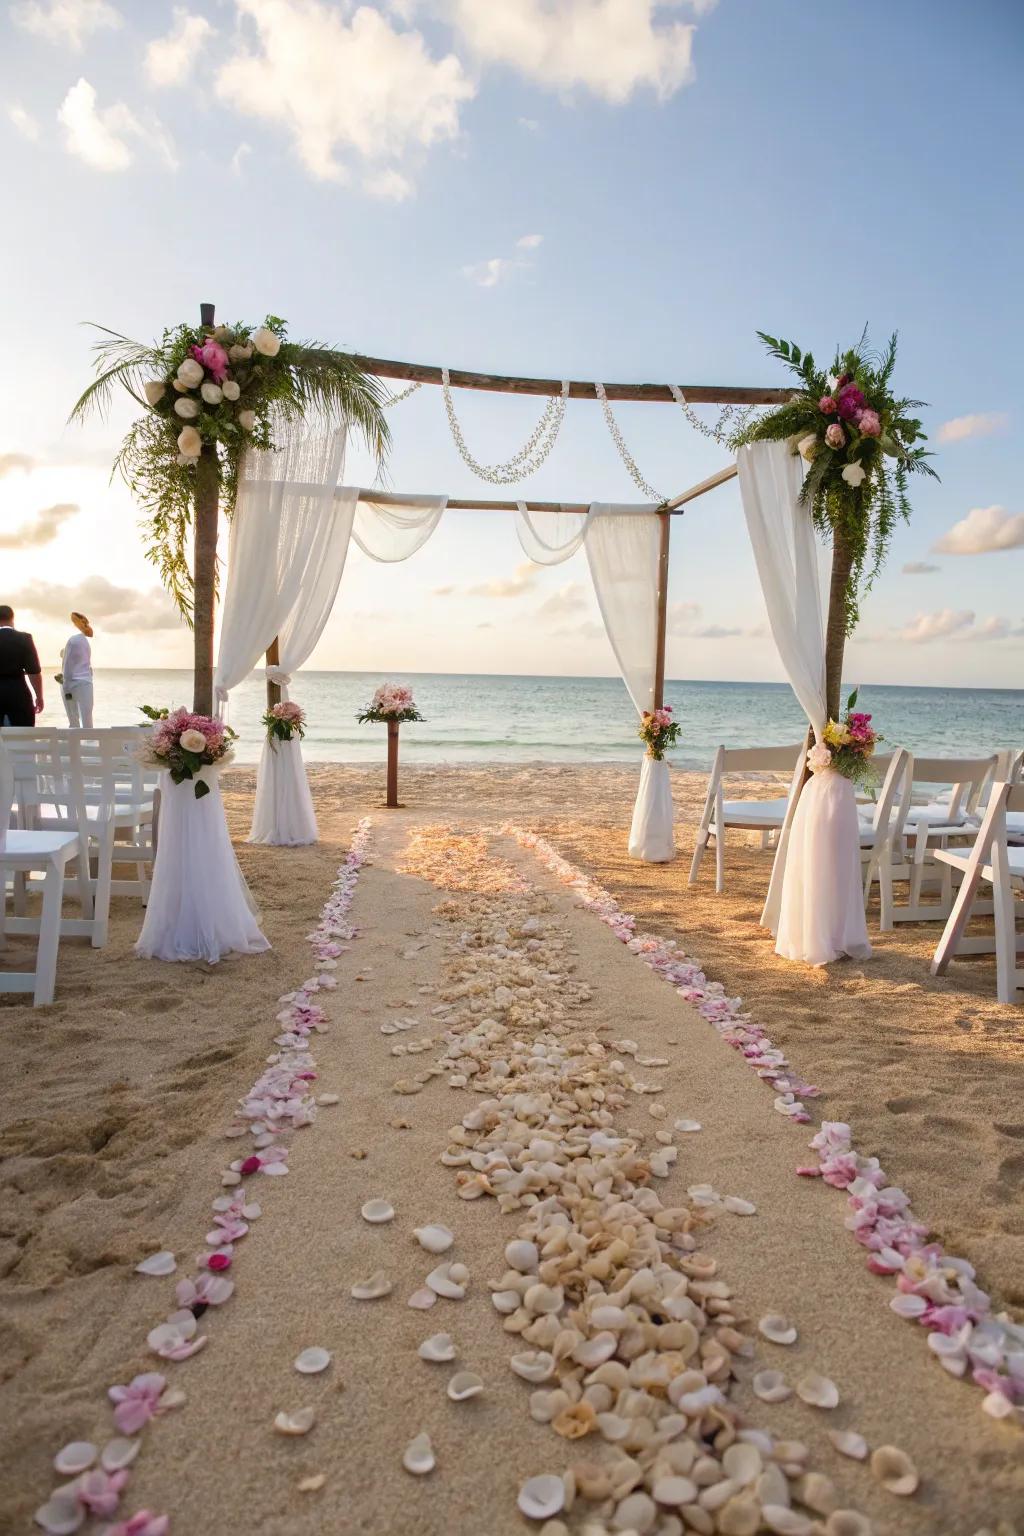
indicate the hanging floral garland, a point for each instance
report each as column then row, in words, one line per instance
column 530, row 456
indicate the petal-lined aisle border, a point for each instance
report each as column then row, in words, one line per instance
column 280, row 1100
column 935, row 1289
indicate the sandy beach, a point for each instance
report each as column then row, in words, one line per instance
column 116, row 1099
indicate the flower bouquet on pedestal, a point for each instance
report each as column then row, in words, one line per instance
column 184, row 745
column 659, row 731
column 393, row 706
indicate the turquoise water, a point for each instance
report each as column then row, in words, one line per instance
column 567, row 719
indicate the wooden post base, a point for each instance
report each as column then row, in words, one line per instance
column 391, row 803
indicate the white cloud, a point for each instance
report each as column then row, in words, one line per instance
column 925, row 627
column 982, row 531
column 102, row 136
column 10, row 462
column 920, row 568
column 23, row 121
column 170, row 59
column 521, row 580
column 342, row 86
column 41, row 529
column 529, row 242
column 65, row 21
column 571, row 598
column 389, row 185
column 687, row 619
column 609, row 47
column 118, row 610
column 497, row 269
column 239, row 157
column 529, row 123
column 980, row 425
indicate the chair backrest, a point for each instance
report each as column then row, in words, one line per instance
column 40, row 778
column 967, row 775
column 6, row 792
column 759, row 759
column 889, row 811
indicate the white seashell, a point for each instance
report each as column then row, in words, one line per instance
column 327, row 1099
column 674, row 1491
column 544, row 1298
column 541, row 1497
column 894, row 1470
column 848, row 1443
column 463, row 1385
column 378, row 1211
column 449, row 1280
column 312, row 1361
column 534, row 1365
column 506, row 1301
column 686, row 1126
column 594, row 1352
column 779, row 1330
column 77, row 1456
column 119, row 1453
column 368, row 1290
column 419, row 1456
column 435, row 1238
column 637, row 1512
column 742, row 1463
column 785, row 1522
column 423, row 1299
column 738, row 1206
column 817, row 1391
column 439, row 1346
column 522, row 1255
column 162, row 1263
column 298, row 1423
column 312, row 1483
column 848, row 1522
column 61, row 1514
column 771, row 1387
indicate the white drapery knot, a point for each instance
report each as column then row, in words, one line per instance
column 278, row 676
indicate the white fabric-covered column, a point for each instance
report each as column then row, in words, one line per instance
column 815, row 904
column 623, row 546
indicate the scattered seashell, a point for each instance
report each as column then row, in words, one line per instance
column 439, row 1347
column 785, row 1521
column 61, row 1514
column 777, row 1329
column 848, row 1443
column 312, row 1361
column 120, row 1453
column 418, row 1457
column 298, row 1423
column 463, row 1385
column 162, row 1263
column 449, row 1280
column 687, row 1126
column 771, row 1387
column 637, row 1512
column 817, row 1493
column 541, row 1497
column 423, row 1299
column 817, row 1391
column 75, row 1457
column 674, row 1491
column 894, row 1470
column 312, row 1484
column 739, row 1206
column 327, row 1099
column 534, row 1365
column 368, row 1290
column 378, row 1211
column 522, row 1255
column 435, row 1238
column 848, row 1522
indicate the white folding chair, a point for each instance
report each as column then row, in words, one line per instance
column 993, row 860
column 21, row 852
column 880, row 829
column 763, row 816
column 930, row 826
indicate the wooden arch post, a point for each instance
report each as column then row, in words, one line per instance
column 204, row 564
column 665, row 519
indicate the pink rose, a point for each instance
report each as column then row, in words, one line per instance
column 869, row 424
column 850, row 402
column 213, row 358
column 826, row 405
column 835, row 436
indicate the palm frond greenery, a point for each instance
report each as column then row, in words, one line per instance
column 861, row 443
column 219, row 389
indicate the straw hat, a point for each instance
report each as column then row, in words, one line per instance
column 80, row 621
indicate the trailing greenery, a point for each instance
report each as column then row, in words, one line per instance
column 211, row 392
column 861, row 443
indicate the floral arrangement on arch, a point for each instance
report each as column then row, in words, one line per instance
column 208, row 393
column 183, row 743
column 861, row 443
column 847, row 746
column 659, row 731
column 392, row 701
column 285, row 720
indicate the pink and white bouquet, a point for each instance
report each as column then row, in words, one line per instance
column 285, row 720
column 392, row 701
column 847, row 746
column 184, row 743
column 659, row 731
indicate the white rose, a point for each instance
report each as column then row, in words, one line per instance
column 189, row 443
column 230, row 390
column 238, row 353
column 211, row 393
column 154, row 390
column 186, row 409
column 247, row 420
column 854, row 474
column 266, row 342
column 193, row 741
column 221, row 334
column 807, row 447
column 190, row 373
column 179, row 386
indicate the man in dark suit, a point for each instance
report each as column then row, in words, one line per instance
column 18, row 661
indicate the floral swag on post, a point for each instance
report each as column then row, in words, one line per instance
column 390, row 702
column 847, row 746
column 659, row 731
column 184, row 743
column 284, row 722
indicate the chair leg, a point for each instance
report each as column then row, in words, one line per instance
column 720, row 860
column 956, row 923
column 885, row 896
column 104, row 875
column 1006, row 931
column 49, row 934
column 698, row 855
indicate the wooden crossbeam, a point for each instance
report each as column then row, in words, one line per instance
column 474, row 504
column 579, row 389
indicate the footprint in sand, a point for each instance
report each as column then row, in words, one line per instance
column 907, row 1103
column 1006, row 1129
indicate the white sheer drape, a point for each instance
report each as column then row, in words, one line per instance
column 391, row 531
column 548, row 538
column 815, row 905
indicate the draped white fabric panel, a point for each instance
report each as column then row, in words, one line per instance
column 283, row 814
column 622, row 550
column 548, row 538
column 390, row 531
column 815, row 904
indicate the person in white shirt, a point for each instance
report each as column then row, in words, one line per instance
column 76, row 675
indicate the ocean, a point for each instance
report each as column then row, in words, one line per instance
column 474, row 719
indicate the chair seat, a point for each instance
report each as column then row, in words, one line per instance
column 937, row 816
column 961, row 857
column 39, row 845
column 753, row 814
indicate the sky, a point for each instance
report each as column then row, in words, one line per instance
column 595, row 189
